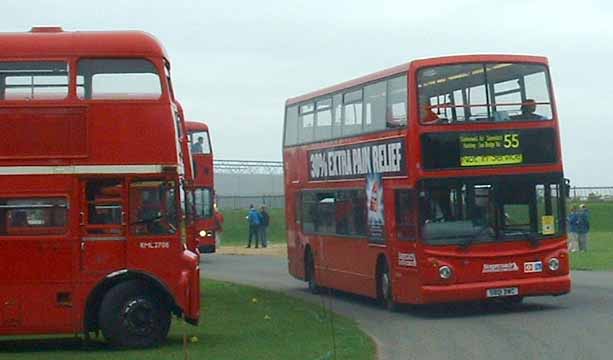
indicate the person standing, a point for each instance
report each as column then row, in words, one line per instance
column 265, row 220
column 218, row 226
column 583, row 227
column 573, row 244
column 254, row 220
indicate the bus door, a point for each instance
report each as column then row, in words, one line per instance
column 403, row 236
column 103, row 226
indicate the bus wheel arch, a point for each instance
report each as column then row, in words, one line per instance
column 149, row 282
column 383, row 283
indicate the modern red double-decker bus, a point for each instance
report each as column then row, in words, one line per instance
column 92, row 201
column 435, row 181
column 205, row 224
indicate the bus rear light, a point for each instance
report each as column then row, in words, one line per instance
column 445, row 272
column 554, row 264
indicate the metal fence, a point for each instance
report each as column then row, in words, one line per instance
column 591, row 193
column 243, row 202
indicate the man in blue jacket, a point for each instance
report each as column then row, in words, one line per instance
column 573, row 218
column 254, row 219
column 583, row 227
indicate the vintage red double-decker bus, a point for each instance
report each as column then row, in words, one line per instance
column 435, row 181
column 205, row 222
column 92, row 200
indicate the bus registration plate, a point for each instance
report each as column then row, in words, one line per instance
column 511, row 291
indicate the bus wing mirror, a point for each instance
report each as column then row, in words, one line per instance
column 567, row 187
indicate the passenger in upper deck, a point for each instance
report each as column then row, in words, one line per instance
column 426, row 114
column 528, row 109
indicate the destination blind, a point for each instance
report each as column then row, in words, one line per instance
column 385, row 157
column 452, row 150
column 483, row 149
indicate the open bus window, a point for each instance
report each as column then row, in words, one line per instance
column 495, row 92
column 33, row 216
column 33, row 80
column 153, row 208
column 104, row 206
column 200, row 142
column 118, row 79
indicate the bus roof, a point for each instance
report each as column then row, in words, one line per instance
column 193, row 126
column 53, row 41
column 396, row 70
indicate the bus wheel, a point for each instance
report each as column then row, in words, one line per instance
column 384, row 281
column 311, row 279
column 131, row 316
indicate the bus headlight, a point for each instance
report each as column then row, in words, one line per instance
column 554, row 264
column 445, row 272
column 202, row 233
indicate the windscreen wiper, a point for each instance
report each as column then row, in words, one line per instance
column 466, row 243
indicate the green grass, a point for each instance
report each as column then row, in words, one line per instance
column 236, row 228
column 599, row 255
column 233, row 326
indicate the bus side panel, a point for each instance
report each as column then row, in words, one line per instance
column 352, row 273
column 36, row 282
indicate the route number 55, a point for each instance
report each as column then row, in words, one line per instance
column 511, row 141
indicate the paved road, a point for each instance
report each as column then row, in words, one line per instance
column 575, row 326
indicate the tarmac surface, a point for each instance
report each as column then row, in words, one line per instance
column 574, row 326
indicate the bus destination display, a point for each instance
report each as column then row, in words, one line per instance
column 461, row 150
column 484, row 149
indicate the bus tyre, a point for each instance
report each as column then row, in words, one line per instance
column 132, row 316
column 311, row 278
column 386, row 297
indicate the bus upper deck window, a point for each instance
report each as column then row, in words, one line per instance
column 118, row 79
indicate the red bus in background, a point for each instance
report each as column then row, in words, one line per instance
column 206, row 225
column 435, row 181
column 92, row 198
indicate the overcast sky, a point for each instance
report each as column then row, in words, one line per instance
column 235, row 62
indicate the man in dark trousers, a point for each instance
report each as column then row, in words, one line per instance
column 265, row 220
column 254, row 221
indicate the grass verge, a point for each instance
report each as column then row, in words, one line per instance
column 237, row 322
column 599, row 255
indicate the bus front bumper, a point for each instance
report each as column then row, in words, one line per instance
column 540, row 286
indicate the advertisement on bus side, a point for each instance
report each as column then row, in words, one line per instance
column 386, row 157
column 374, row 201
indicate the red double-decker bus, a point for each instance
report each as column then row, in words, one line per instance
column 205, row 224
column 92, row 201
column 435, row 181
